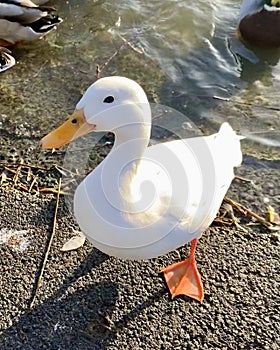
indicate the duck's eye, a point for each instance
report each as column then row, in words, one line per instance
column 109, row 99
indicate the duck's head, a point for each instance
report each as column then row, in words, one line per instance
column 109, row 104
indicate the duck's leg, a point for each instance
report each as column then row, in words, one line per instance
column 5, row 43
column 184, row 278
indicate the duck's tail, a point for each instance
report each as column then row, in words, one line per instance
column 45, row 23
column 6, row 60
column 229, row 142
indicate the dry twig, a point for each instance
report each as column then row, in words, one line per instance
column 23, row 176
column 136, row 49
column 225, row 99
column 100, row 68
column 39, row 279
column 247, row 212
column 25, row 165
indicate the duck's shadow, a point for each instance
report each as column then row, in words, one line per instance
column 73, row 317
column 67, row 320
column 267, row 59
column 255, row 63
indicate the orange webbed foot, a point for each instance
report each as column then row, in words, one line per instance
column 184, row 278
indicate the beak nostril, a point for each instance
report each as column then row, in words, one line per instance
column 74, row 121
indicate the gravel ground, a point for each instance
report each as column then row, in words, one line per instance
column 88, row 300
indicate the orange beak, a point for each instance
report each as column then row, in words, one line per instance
column 73, row 128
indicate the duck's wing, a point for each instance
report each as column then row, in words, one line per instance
column 40, row 2
column 24, row 20
column 21, row 11
column 194, row 175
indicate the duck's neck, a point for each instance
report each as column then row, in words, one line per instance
column 137, row 136
column 130, row 144
column 121, row 164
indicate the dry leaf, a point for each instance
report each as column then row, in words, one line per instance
column 3, row 178
column 74, row 243
column 273, row 217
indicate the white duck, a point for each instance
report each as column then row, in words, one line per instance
column 24, row 20
column 142, row 202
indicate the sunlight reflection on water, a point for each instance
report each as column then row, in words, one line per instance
column 187, row 60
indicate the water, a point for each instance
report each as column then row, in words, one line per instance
column 183, row 56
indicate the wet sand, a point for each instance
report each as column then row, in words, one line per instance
column 88, row 300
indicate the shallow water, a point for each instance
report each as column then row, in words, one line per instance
column 183, row 56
